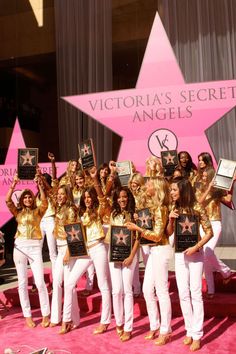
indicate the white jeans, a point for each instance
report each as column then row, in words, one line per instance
column 62, row 273
column 188, row 271
column 122, row 293
column 30, row 250
column 156, row 277
column 211, row 262
column 97, row 256
column 145, row 249
column 47, row 226
column 90, row 277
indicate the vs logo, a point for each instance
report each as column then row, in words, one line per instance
column 162, row 140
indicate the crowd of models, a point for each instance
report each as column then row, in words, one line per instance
column 96, row 198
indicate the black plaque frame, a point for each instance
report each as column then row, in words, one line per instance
column 169, row 164
column 124, row 170
column 27, row 163
column 120, row 249
column 186, row 231
column 88, row 160
column 145, row 212
column 76, row 239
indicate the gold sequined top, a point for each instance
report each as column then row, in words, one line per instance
column 28, row 220
column 64, row 215
column 94, row 229
column 50, row 209
column 211, row 204
column 158, row 234
column 77, row 193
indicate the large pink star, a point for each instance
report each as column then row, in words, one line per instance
column 162, row 112
column 121, row 238
column 187, row 225
column 8, row 170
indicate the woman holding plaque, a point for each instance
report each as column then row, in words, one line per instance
column 27, row 248
column 97, row 255
column 65, row 213
column 210, row 198
column 156, row 199
column 189, row 263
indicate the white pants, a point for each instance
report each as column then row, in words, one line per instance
column 145, row 249
column 156, row 277
column 188, row 271
column 97, row 256
column 211, row 262
column 90, row 277
column 33, row 254
column 122, row 293
column 62, row 272
column 47, row 227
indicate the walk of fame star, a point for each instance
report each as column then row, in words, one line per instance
column 27, row 158
column 121, row 238
column 74, row 234
column 187, row 225
column 85, row 150
column 144, row 218
column 169, row 159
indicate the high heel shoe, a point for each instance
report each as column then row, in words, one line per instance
column 163, row 339
column 187, row 340
column 196, row 345
column 150, row 335
column 53, row 324
column 66, row 327
column 125, row 336
column 29, row 322
column 120, row 330
column 102, row 328
column 45, row 322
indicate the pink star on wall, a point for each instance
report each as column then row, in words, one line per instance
column 8, row 170
column 162, row 112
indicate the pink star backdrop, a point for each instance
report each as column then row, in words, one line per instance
column 8, row 170
column 162, row 112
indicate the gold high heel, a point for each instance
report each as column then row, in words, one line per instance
column 29, row 322
column 163, row 339
column 45, row 322
column 66, row 327
column 125, row 336
column 151, row 335
column 187, row 340
column 120, row 330
column 102, row 328
column 53, row 324
column 196, row 345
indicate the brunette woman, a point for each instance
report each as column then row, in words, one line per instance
column 156, row 198
column 211, row 198
column 65, row 213
column 97, row 255
column 189, row 264
column 28, row 249
column 186, row 165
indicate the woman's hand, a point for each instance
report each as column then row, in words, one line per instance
column 51, row 156
column 191, row 250
column 132, row 227
column 93, row 172
column 173, row 214
column 135, row 216
column 66, row 259
column 128, row 261
column 112, row 166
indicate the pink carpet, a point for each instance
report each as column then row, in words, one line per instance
column 219, row 338
column 219, row 328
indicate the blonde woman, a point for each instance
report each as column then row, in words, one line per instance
column 156, row 198
column 153, row 167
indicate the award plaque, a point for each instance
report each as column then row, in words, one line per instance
column 40, row 351
column 27, row 163
column 186, row 231
column 169, row 161
column 120, row 243
column 76, row 240
column 87, row 155
column 124, row 170
column 145, row 221
column 224, row 176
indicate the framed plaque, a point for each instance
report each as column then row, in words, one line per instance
column 40, row 351
column 145, row 221
column 76, row 239
column 27, row 163
column 87, row 154
column 169, row 161
column 121, row 243
column 124, row 170
column 186, row 232
column 225, row 172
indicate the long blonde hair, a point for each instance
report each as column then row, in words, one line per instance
column 161, row 196
column 158, row 170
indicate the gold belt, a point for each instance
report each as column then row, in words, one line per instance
column 95, row 243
